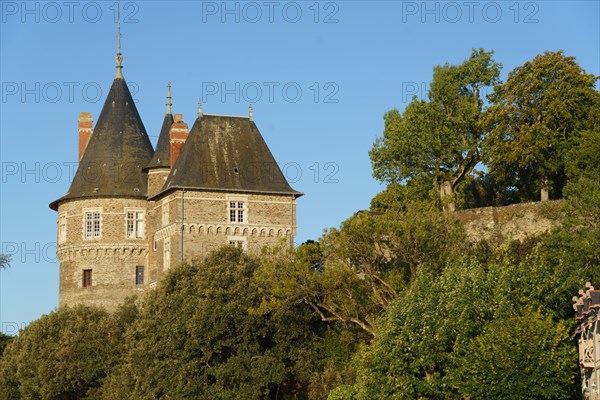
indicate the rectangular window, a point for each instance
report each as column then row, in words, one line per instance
column 135, row 224
column 87, row 278
column 139, row 275
column 165, row 214
column 62, row 228
column 238, row 241
column 166, row 254
column 236, row 211
column 92, row 224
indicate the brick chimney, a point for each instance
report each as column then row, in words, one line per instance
column 179, row 133
column 84, row 124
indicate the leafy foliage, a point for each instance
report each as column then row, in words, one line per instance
column 198, row 337
column 440, row 138
column 535, row 118
column 523, row 357
column 63, row 355
column 432, row 336
column 364, row 265
column 4, row 341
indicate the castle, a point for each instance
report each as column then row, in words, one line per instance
column 133, row 212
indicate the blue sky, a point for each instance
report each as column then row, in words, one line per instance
column 320, row 76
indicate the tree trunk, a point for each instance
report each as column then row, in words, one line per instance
column 544, row 192
column 447, row 196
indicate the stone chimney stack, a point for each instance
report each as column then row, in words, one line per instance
column 84, row 124
column 179, row 133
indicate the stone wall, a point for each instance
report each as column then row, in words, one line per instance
column 269, row 220
column 514, row 222
column 113, row 257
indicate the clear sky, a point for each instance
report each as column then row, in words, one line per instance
column 320, row 76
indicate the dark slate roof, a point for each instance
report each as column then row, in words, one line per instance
column 162, row 154
column 118, row 150
column 227, row 153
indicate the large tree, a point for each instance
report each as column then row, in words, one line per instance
column 534, row 119
column 63, row 355
column 364, row 265
column 198, row 337
column 438, row 138
column 528, row 356
column 469, row 326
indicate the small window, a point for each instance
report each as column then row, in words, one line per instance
column 135, row 225
column 92, row 224
column 237, row 211
column 87, row 278
column 167, row 254
column 165, row 214
column 155, row 245
column 238, row 241
column 62, row 228
column 139, row 275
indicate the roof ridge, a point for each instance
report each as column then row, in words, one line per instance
column 226, row 115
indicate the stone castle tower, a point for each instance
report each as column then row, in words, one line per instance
column 132, row 212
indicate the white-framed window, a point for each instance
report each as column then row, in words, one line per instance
column 237, row 211
column 238, row 241
column 62, row 227
column 135, row 224
column 92, row 224
column 165, row 213
column 167, row 253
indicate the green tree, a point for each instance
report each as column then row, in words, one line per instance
column 398, row 196
column 439, row 138
column 535, row 117
column 63, row 355
column 198, row 336
column 524, row 357
column 4, row 341
column 365, row 264
column 426, row 336
column 421, row 333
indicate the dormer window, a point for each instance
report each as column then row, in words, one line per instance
column 92, row 224
column 135, row 224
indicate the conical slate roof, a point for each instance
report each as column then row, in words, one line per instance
column 162, row 154
column 227, row 153
column 117, row 151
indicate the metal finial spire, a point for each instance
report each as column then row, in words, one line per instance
column 250, row 115
column 199, row 108
column 169, row 104
column 119, row 36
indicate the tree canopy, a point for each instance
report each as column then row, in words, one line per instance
column 535, row 117
column 198, row 337
column 439, row 138
column 66, row 354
